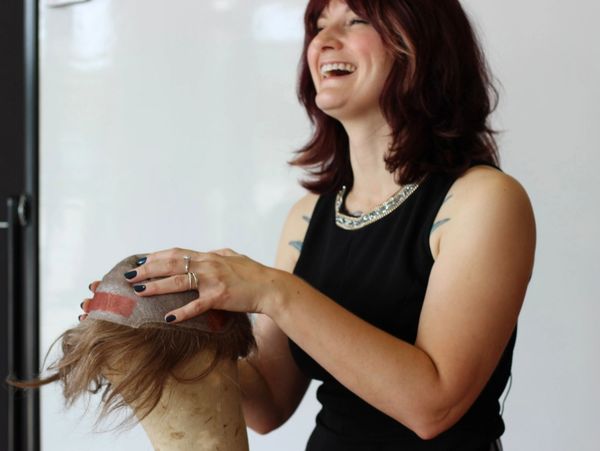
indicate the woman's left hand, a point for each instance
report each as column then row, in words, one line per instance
column 226, row 281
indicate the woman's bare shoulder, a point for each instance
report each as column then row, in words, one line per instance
column 481, row 192
column 488, row 191
column 488, row 179
column 305, row 204
column 294, row 230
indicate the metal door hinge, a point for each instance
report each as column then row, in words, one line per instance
column 22, row 212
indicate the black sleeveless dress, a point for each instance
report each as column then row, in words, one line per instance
column 380, row 273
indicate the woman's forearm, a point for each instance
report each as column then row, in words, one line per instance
column 258, row 404
column 272, row 385
column 388, row 373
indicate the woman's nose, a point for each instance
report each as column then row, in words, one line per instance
column 327, row 38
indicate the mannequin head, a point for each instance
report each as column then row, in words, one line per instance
column 132, row 357
column 133, row 365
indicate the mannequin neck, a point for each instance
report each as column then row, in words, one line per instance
column 202, row 415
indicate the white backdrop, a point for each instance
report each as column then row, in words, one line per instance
column 170, row 123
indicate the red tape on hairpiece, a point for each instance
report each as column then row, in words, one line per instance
column 113, row 303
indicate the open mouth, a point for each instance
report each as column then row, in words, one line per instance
column 330, row 70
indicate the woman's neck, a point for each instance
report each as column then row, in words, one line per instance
column 373, row 183
column 203, row 415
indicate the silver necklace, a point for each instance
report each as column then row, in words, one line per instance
column 382, row 210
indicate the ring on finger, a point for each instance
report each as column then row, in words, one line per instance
column 186, row 260
column 192, row 275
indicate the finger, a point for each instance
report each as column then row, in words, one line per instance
column 165, row 253
column 164, row 264
column 173, row 284
column 82, row 317
column 178, row 253
column 175, row 253
column 93, row 286
column 171, row 266
column 192, row 309
column 85, row 305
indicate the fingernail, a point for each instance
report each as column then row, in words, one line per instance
column 90, row 287
column 170, row 318
column 81, row 305
column 141, row 261
column 79, row 317
column 139, row 288
column 130, row 274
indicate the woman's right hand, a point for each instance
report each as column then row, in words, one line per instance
column 86, row 302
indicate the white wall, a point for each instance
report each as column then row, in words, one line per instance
column 546, row 55
column 163, row 124
column 169, row 124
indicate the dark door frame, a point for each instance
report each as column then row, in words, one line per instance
column 19, row 267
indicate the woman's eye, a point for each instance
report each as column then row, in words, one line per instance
column 358, row 21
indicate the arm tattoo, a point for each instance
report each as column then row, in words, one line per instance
column 442, row 221
column 438, row 224
column 296, row 245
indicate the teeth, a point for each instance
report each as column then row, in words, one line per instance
column 326, row 69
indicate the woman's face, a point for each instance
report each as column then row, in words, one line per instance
column 348, row 63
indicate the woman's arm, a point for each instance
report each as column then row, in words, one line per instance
column 473, row 298
column 484, row 258
column 272, row 385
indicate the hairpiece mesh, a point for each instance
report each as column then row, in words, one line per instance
column 115, row 301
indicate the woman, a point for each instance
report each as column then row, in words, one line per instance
column 410, row 256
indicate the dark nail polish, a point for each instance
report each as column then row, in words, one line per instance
column 79, row 317
column 139, row 288
column 141, row 261
column 90, row 287
column 81, row 305
column 130, row 274
column 170, row 318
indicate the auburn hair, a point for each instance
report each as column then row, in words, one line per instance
column 437, row 98
column 144, row 358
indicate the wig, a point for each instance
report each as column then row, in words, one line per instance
column 437, row 98
column 139, row 348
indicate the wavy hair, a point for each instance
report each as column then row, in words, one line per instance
column 144, row 358
column 437, row 99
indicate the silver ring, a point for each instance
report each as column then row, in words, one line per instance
column 186, row 259
column 193, row 274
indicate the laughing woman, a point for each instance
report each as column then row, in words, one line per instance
column 400, row 275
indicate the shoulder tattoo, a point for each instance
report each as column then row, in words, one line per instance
column 441, row 222
column 296, row 245
column 438, row 224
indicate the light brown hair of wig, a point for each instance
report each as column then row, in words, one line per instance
column 144, row 359
column 437, row 99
